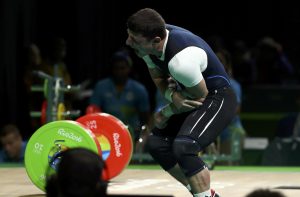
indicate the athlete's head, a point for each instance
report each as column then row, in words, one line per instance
column 146, row 29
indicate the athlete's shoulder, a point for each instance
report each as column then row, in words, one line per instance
column 175, row 28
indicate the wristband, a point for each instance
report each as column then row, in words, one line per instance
column 168, row 94
column 167, row 111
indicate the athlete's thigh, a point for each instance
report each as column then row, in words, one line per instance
column 207, row 122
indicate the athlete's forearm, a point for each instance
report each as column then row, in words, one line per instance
column 197, row 92
column 161, row 82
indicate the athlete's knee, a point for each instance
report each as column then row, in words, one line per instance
column 186, row 153
column 160, row 149
column 183, row 147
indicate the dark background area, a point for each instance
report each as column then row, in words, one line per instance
column 94, row 29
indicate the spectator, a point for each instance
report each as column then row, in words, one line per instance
column 13, row 146
column 243, row 63
column 272, row 64
column 78, row 174
column 235, row 128
column 54, row 52
column 53, row 57
column 122, row 96
column 31, row 62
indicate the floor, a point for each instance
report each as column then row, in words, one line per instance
column 14, row 182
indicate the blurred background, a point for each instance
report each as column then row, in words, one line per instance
column 261, row 36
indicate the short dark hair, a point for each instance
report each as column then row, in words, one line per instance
column 264, row 193
column 121, row 55
column 147, row 22
column 78, row 174
column 8, row 129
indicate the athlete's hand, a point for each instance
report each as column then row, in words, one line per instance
column 183, row 104
column 172, row 83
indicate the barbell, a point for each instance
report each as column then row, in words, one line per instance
column 100, row 132
column 59, row 114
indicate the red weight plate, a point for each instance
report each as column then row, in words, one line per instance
column 92, row 109
column 44, row 112
column 115, row 141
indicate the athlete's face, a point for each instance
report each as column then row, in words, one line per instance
column 141, row 45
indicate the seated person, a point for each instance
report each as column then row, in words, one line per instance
column 53, row 59
column 13, row 146
column 235, row 129
column 122, row 96
column 78, row 174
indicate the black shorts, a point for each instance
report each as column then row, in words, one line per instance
column 205, row 123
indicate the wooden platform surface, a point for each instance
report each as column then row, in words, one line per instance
column 14, row 182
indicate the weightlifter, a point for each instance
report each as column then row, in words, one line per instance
column 201, row 104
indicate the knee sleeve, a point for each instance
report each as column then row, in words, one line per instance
column 186, row 153
column 160, row 149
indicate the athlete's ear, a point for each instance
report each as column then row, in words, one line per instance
column 156, row 40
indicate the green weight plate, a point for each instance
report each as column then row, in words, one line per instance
column 48, row 141
column 46, row 88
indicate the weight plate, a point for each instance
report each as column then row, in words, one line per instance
column 44, row 146
column 60, row 111
column 114, row 139
column 44, row 113
column 46, row 88
column 92, row 109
